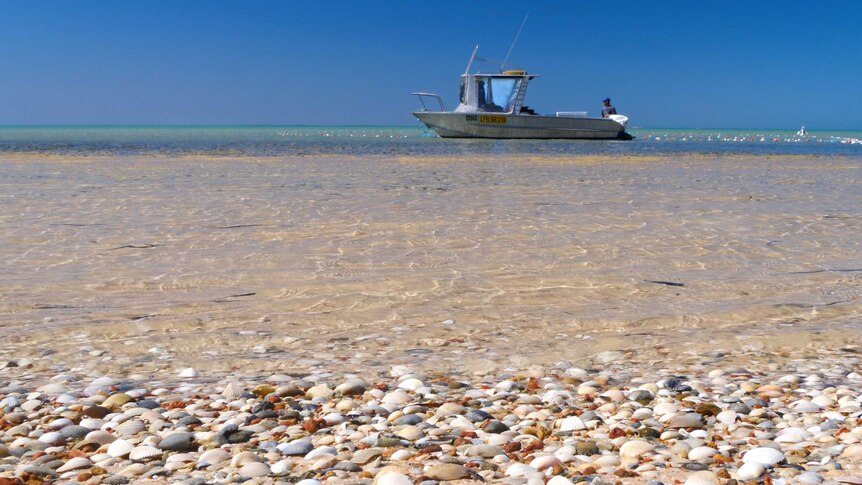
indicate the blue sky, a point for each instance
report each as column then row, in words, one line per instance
column 672, row 64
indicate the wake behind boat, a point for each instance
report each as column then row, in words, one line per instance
column 492, row 106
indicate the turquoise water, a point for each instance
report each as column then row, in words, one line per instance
column 404, row 140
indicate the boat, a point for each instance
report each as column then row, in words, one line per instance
column 492, row 106
column 802, row 131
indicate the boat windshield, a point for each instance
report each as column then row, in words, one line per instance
column 496, row 94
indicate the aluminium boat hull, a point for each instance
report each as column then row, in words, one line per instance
column 493, row 125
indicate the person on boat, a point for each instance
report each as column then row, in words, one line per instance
column 607, row 109
column 486, row 101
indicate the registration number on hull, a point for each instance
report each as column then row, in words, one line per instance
column 491, row 119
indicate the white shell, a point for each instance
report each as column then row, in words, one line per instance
column 410, row 384
column 809, row 478
column 823, row 401
column 559, row 480
column 791, row 435
column 610, row 459
column 131, row 427
column 173, row 466
column 92, row 423
column 805, row 407
column 101, row 437
column 393, row 478
column 763, row 455
column 750, row 471
column 245, row 458
column 142, row 453
column 58, row 424
column 333, row 419
column 151, row 441
column 104, row 381
column 398, row 396
column 664, row 408
column 53, row 388
column 232, row 392
column 101, row 458
column 281, row 467
column 180, row 457
column 544, row 462
column 74, row 464
column 702, row 478
column 120, row 448
column 642, row 413
column 254, row 469
column 687, row 420
column 520, row 470
column 852, row 451
column 400, row 455
column 24, row 441
column 212, row 457
column 149, row 416
column 701, row 452
column 188, row 372
column 572, row 423
column 320, row 451
column 635, row 448
column 614, row 395
column 133, row 470
column 727, row 417
column 52, row 438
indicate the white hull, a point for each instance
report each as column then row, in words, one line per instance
column 494, row 125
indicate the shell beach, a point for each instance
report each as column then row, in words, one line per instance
column 431, row 318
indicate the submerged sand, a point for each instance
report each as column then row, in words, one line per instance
column 643, row 290
column 470, row 263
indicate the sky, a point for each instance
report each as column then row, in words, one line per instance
column 665, row 64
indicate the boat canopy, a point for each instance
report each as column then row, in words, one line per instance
column 493, row 93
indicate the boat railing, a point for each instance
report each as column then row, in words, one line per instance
column 422, row 96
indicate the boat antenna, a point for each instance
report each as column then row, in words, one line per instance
column 503, row 65
column 473, row 57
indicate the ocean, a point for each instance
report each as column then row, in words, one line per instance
column 410, row 140
column 381, row 246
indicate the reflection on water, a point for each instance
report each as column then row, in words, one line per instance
column 535, row 258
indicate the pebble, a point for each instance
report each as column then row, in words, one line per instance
column 447, row 471
column 178, row 442
column 485, row 451
column 296, row 448
column 587, row 448
column 254, row 469
column 556, row 426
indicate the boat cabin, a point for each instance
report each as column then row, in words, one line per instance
column 494, row 93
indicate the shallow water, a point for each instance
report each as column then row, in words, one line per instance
column 443, row 257
column 400, row 141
